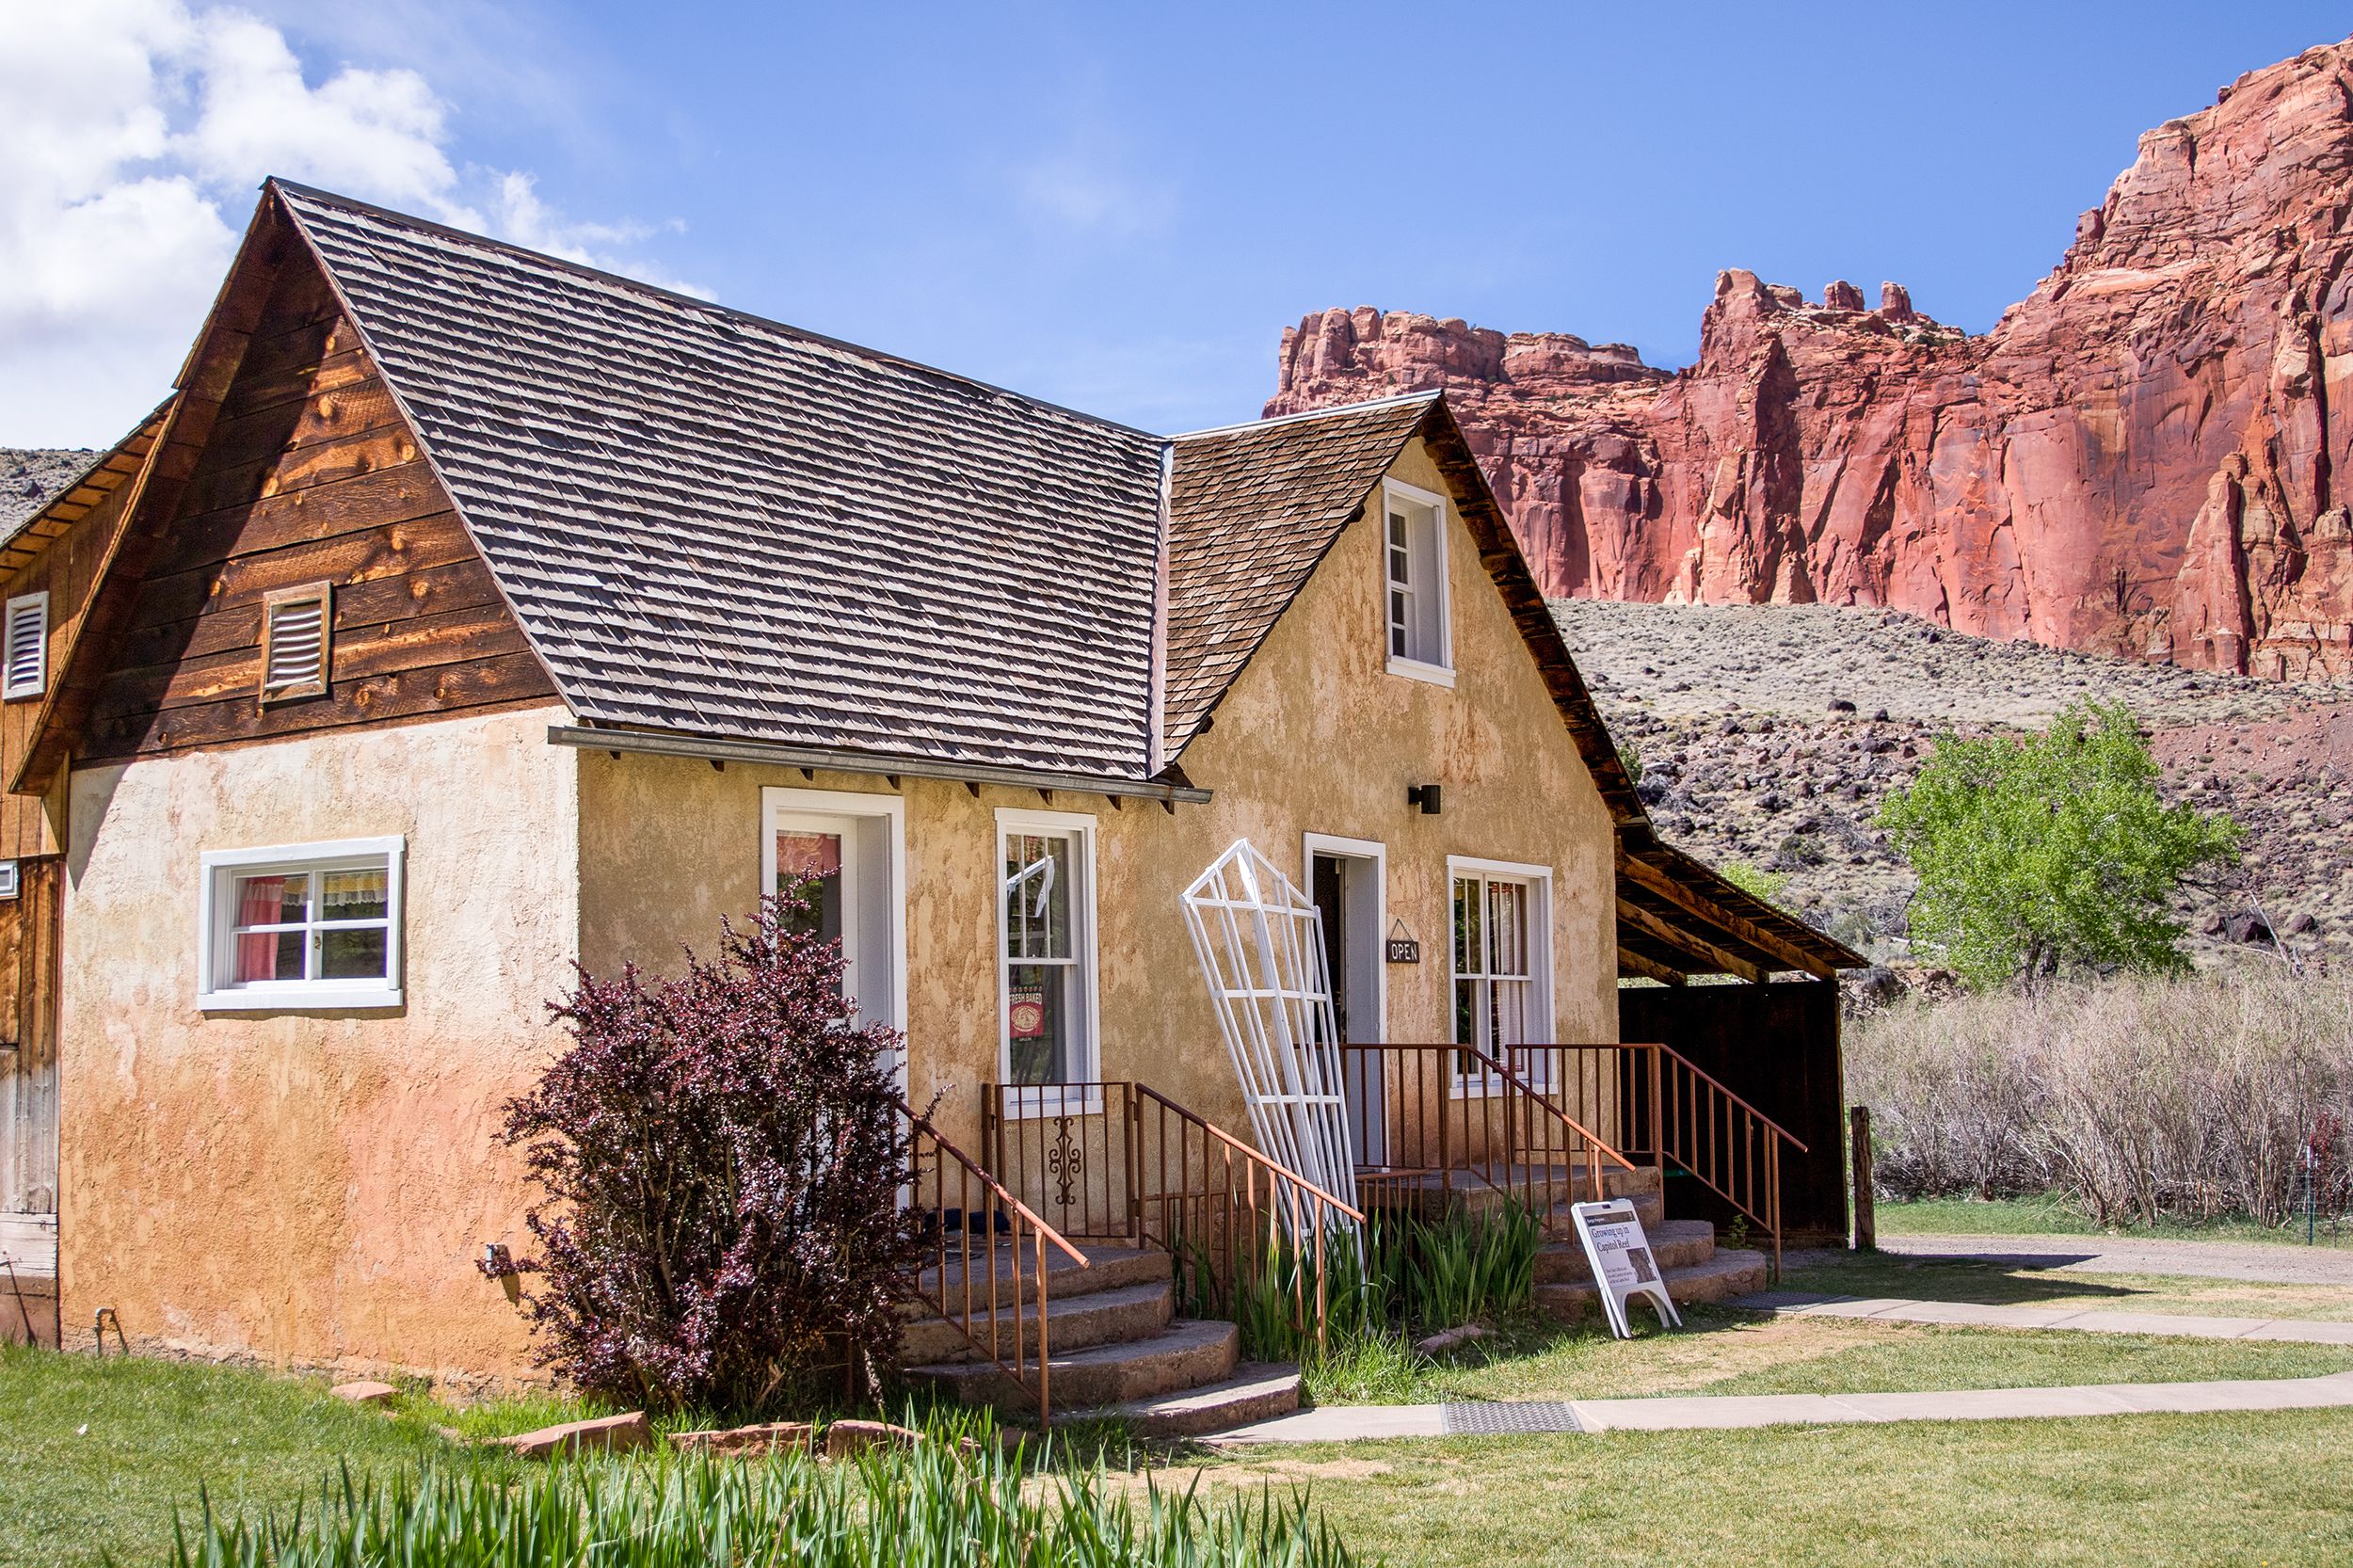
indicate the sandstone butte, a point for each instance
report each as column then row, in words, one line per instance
column 2141, row 457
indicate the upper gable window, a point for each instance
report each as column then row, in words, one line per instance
column 1413, row 557
column 24, row 646
column 296, row 626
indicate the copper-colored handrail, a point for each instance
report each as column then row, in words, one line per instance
column 1724, row 1155
column 1125, row 1164
column 994, row 1203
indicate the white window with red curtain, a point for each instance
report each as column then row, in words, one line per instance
column 303, row 926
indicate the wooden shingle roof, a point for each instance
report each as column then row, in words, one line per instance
column 712, row 523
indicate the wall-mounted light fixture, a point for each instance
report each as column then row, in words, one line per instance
column 1423, row 795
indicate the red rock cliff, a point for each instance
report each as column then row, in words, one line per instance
column 2148, row 455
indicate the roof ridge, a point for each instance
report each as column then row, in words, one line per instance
column 1427, row 394
column 675, row 297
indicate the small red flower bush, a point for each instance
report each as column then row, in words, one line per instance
column 721, row 1155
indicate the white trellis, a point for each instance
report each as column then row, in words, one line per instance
column 1260, row 942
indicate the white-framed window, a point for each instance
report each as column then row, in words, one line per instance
column 24, row 646
column 298, row 633
column 302, row 926
column 1046, row 959
column 852, row 845
column 1414, row 582
column 10, row 887
column 1501, row 919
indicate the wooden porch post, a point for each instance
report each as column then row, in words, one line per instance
column 1866, row 1232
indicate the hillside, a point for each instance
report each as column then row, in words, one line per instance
column 1752, row 754
column 2143, row 457
column 29, row 476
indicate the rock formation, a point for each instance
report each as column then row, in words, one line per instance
column 2146, row 456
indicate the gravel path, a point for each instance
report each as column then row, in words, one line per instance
column 2121, row 1255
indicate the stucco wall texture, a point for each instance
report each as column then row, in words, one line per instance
column 1314, row 737
column 312, row 1187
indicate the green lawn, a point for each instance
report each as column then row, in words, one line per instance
column 2254, row 1489
column 2053, row 1215
column 95, row 1453
column 1722, row 1352
column 1960, row 1279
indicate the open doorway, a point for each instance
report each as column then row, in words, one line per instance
column 1348, row 880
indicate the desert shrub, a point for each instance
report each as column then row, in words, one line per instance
column 721, row 1155
column 1755, row 880
column 941, row 1504
column 2051, row 852
column 2143, row 1097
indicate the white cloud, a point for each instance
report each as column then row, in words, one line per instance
column 135, row 134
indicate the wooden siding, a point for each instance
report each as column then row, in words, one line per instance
column 309, row 473
column 67, row 569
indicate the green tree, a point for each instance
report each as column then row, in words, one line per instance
column 2055, row 850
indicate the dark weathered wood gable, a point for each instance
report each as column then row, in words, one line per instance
column 307, row 473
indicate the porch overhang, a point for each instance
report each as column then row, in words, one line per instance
column 1677, row 919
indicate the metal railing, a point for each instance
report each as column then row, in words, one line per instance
column 1120, row 1163
column 1428, row 1120
column 985, row 1271
column 1663, row 1109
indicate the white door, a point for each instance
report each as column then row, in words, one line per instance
column 1345, row 877
column 852, row 846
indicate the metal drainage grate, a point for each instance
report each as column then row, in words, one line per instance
column 1497, row 1419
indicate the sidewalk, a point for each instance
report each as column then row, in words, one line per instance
column 1805, row 1304
column 1352, row 1423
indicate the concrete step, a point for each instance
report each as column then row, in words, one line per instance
column 1073, row 1322
column 1675, row 1243
column 1428, row 1195
column 1726, row 1274
column 1106, row 1269
column 1258, row 1391
column 1188, row 1353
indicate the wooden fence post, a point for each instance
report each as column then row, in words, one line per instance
column 1867, row 1230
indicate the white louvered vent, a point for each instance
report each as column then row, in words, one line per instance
column 26, row 652
column 294, row 644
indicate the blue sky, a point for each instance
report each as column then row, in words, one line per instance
column 1121, row 207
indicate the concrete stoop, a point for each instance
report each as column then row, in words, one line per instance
column 1116, row 1349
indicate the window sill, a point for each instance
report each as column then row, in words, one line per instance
column 1034, row 1102
column 1414, row 670
column 303, row 999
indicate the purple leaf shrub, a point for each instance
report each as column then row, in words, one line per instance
column 721, row 1156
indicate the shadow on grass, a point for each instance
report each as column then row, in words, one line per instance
column 1990, row 1281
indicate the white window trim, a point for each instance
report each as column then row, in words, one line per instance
column 12, row 690
column 1540, row 968
column 1314, row 844
column 1082, row 825
column 298, row 996
column 778, row 801
column 11, row 883
column 1440, row 674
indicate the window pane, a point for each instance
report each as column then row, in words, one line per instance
column 352, row 954
column 273, row 900
column 1038, row 895
column 814, row 857
column 1469, row 956
column 1038, row 1014
column 1507, row 928
column 356, row 895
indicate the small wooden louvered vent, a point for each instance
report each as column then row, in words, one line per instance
column 24, row 659
column 296, row 628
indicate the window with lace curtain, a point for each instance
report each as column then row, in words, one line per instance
column 1502, row 962
column 303, row 926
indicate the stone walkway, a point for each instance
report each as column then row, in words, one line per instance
column 1353, row 1423
column 2140, row 1255
column 1804, row 1303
